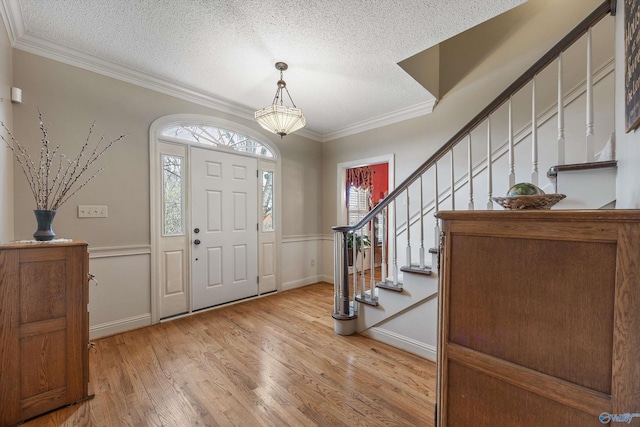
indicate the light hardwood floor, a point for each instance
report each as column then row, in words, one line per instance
column 273, row 361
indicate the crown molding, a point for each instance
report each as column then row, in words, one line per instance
column 311, row 134
column 12, row 18
column 41, row 47
column 421, row 109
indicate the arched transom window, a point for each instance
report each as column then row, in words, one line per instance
column 210, row 135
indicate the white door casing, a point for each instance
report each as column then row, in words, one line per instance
column 342, row 215
column 224, row 255
column 268, row 262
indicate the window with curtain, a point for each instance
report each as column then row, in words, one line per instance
column 358, row 204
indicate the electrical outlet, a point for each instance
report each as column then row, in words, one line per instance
column 92, row 211
column 313, row 263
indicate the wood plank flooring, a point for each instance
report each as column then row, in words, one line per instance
column 273, row 361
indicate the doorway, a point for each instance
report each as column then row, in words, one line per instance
column 215, row 214
column 356, row 198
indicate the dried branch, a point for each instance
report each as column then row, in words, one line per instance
column 52, row 186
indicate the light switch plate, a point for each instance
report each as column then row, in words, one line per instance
column 92, row 211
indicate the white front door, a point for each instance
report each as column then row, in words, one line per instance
column 224, row 226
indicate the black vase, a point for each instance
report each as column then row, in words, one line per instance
column 45, row 222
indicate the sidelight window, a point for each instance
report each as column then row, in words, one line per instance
column 267, row 201
column 172, row 195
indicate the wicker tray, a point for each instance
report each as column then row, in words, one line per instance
column 542, row 201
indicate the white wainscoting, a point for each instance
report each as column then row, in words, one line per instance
column 303, row 259
column 328, row 268
column 121, row 300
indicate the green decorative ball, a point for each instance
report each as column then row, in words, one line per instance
column 524, row 189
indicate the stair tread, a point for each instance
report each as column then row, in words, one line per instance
column 553, row 170
column 367, row 299
column 388, row 284
column 416, row 269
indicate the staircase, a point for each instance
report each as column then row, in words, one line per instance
column 415, row 304
column 401, row 309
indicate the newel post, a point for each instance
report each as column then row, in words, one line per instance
column 343, row 311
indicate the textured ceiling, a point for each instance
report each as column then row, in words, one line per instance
column 342, row 54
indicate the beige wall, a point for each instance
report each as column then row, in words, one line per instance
column 413, row 141
column 71, row 99
column 627, row 144
column 6, row 160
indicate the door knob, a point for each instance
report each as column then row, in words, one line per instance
column 196, row 230
column 196, row 242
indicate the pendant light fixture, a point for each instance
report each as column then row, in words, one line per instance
column 277, row 117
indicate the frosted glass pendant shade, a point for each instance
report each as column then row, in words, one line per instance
column 277, row 117
column 280, row 119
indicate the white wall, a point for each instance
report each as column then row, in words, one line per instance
column 627, row 144
column 6, row 159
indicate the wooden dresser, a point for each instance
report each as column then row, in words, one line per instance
column 539, row 318
column 44, row 328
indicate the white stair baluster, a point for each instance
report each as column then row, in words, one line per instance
column 363, row 282
column 372, row 251
column 354, row 264
column 512, row 167
column 561, row 147
column 590, row 137
column 408, row 259
column 421, row 225
column 436, row 233
column 383, row 268
column 453, row 182
column 395, row 242
column 489, row 166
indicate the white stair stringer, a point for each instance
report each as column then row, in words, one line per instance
column 416, row 288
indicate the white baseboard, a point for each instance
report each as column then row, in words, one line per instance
column 326, row 278
column 120, row 325
column 412, row 346
column 302, row 282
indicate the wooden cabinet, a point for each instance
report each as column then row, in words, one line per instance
column 539, row 318
column 44, row 328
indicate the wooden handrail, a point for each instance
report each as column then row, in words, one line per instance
column 599, row 13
